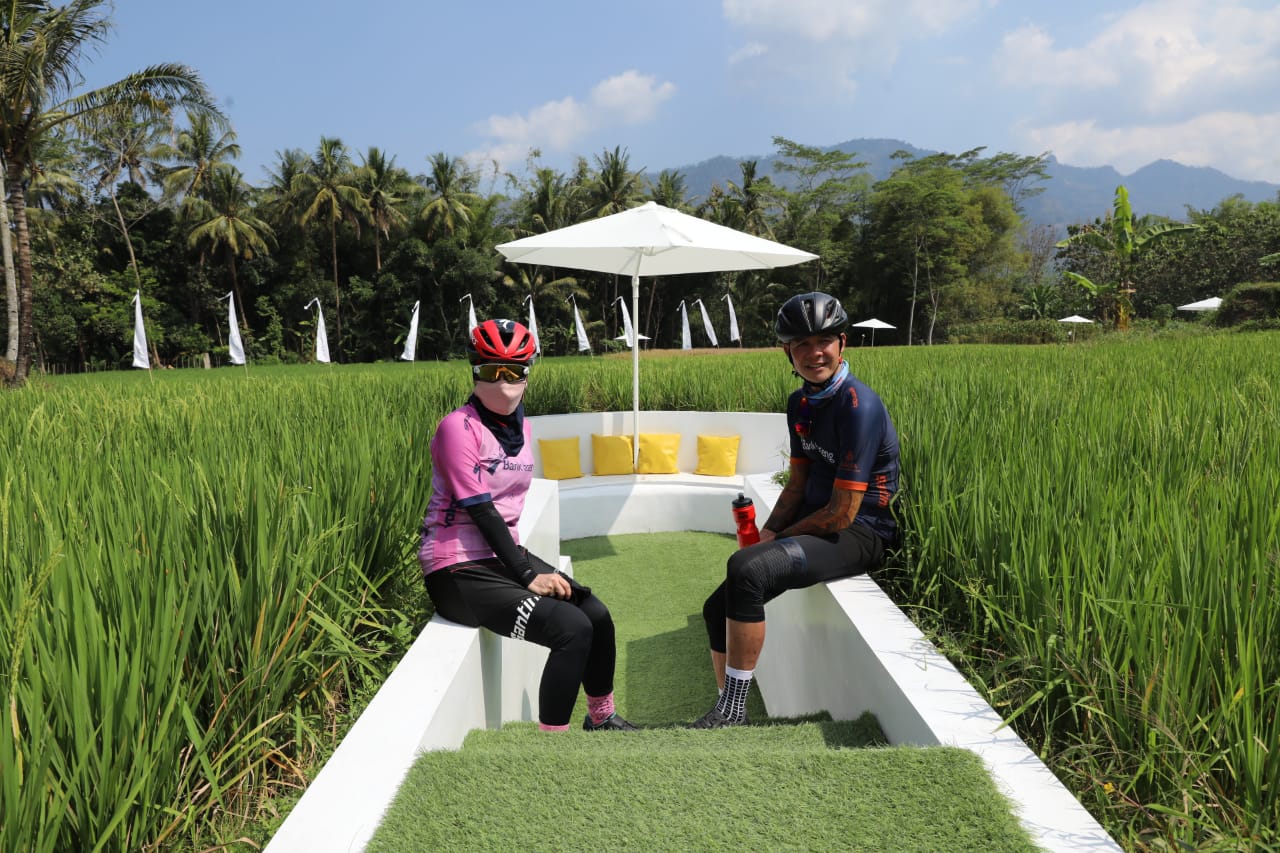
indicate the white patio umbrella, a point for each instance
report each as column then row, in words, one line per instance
column 650, row 240
column 1075, row 318
column 1213, row 303
column 874, row 324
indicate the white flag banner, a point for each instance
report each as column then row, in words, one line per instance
column 583, row 344
column 733, row 320
column 706, row 323
column 471, row 313
column 140, row 356
column 686, row 339
column 322, row 339
column 411, row 342
column 627, row 328
column 235, row 346
column 533, row 327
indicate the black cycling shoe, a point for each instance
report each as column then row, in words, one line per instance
column 713, row 719
column 613, row 722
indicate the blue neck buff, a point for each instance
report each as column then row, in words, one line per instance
column 829, row 387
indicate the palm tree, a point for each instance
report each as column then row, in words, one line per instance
column 200, row 150
column 452, row 188
column 223, row 219
column 123, row 147
column 747, row 202
column 549, row 202
column 670, row 190
column 279, row 201
column 615, row 187
column 41, row 48
column 327, row 191
column 385, row 186
column 53, row 184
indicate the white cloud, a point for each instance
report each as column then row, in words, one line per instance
column 748, row 52
column 1162, row 58
column 827, row 21
column 827, row 43
column 625, row 99
column 1238, row 143
column 629, row 98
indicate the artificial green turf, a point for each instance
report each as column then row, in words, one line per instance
column 654, row 585
column 809, row 784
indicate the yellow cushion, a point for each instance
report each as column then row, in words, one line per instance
column 658, row 452
column 560, row 459
column 612, row 454
column 717, row 455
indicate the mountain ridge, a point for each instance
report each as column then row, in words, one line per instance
column 1072, row 195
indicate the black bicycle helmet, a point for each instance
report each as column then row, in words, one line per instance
column 809, row 314
column 500, row 340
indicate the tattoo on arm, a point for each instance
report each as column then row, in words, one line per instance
column 785, row 509
column 788, row 505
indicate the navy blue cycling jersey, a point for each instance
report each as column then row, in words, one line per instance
column 849, row 442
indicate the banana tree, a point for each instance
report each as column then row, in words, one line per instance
column 1124, row 239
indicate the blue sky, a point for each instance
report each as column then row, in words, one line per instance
column 678, row 81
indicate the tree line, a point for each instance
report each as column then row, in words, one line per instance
column 134, row 186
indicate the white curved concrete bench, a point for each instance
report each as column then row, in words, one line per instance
column 649, row 503
column 843, row 647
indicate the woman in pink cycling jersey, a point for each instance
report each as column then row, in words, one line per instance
column 476, row 572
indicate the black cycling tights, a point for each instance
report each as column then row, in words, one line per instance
column 762, row 572
column 579, row 632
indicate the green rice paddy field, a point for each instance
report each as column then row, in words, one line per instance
column 205, row 573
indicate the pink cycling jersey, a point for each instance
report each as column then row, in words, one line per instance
column 469, row 467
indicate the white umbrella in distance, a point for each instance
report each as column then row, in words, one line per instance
column 1076, row 319
column 874, row 324
column 650, row 240
column 1213, row 303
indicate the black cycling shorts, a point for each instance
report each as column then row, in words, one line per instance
column 579, row 631
column 760, row 573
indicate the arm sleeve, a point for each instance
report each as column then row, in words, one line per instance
column 485, row 516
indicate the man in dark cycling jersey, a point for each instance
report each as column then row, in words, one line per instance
column 832, row 519
column 476, row 572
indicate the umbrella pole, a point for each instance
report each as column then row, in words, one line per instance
column 635, row 372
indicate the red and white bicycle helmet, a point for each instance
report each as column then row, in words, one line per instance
column 500, row 340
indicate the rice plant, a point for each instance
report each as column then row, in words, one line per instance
column 198, row 568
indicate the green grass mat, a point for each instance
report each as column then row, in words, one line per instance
column 809, row 784
column 654, row 585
